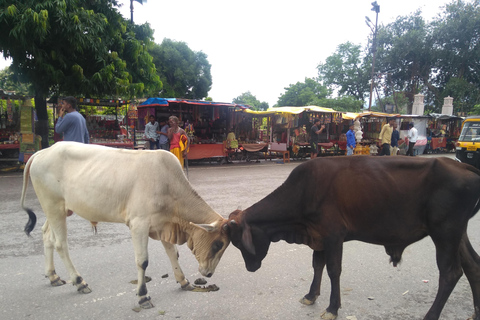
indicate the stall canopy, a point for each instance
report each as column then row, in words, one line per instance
column 154, row 102
column 165, row 102
column 439, row 116
column 291, row 110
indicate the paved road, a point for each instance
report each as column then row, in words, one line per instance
column 371, row 288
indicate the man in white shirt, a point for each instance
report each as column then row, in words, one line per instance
column 412, row 138
column 151, row 134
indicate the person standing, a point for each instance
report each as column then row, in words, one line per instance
column 71, row 123
column 395, row 138
column 179, row 141
column 412, row 138
column 163, row 135
column 151, row 134
column 314, row 137
column 385, row 138
column 351, row 143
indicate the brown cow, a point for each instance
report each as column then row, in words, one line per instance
column 389, row 201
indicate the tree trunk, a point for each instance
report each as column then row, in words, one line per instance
column 42, row 115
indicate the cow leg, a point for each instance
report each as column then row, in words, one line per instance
column 318, row 263
column 48, row 245
column 448, row 262
column 333, row 258
column 139, row 231
column 471, row 266
column 172, row 254
column 58, row 226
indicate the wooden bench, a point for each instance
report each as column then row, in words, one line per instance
column 280, row 148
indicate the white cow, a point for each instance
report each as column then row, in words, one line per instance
column 146, row 190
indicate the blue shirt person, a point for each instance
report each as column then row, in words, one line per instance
column 71, row 123
column 351, row 142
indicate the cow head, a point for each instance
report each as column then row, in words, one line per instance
column 208, row 243
column 252, row 241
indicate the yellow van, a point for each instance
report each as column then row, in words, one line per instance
column 468, row 145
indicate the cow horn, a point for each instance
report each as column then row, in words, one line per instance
column 247, row 240
column 207, row 227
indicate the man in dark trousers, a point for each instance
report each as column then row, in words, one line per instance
column 314, row 137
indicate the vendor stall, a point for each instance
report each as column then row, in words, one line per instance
column 420, row 123
column 107, row 122
column 442, row 132
column 205, row 122
column 17, row 126
column 9, row 126
column 286, row 129
column 370, row 124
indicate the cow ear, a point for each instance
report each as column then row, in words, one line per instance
column 206, row 227
column 247, row 239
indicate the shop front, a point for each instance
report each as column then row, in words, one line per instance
column 285, row 130
column 442, row 132
column 17, row 126
column 206, row 123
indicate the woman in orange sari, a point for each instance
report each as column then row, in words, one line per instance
column 179, row 141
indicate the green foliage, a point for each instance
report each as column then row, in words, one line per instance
column 249, row 99
column 76, row 47
column 343, row 103
column 8, row 82
column 302, row 93
column 346, row 71
column 405, row 50
column 183, row 72
column 456, row 40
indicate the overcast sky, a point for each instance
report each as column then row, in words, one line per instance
column 263, row 46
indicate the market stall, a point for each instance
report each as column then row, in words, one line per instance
column 17, row 128
column 286, row 129
column 371, row 123
column 205, row 122
column 420, row 123
column 442, row 132
column 9, row 126
column 107, row 122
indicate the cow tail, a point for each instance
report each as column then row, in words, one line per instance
column 32, row 218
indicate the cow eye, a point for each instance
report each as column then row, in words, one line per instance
column 217, row 246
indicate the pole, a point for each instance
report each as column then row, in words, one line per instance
column 131, row 11
column 375, row 8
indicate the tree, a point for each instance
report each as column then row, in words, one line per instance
column 72, row 47
column 346, row 71
column 302, row 93
column 183, row 72
column 343, row 103
column 405, row 53
column 8, row 83
column 249, row 99
column 456, row 41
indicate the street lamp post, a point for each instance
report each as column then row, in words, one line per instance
column 376, row 8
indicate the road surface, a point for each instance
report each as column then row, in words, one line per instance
column 371, row 288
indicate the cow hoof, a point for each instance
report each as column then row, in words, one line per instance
column 145, row 303
column 57, row 282
column 84, row 288
column 306, row 301
column 328, row 315
column 188, row 286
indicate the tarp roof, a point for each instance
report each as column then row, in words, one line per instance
column 379, row 115
column 439, row 116
column 291, row 110
column 165, row 102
